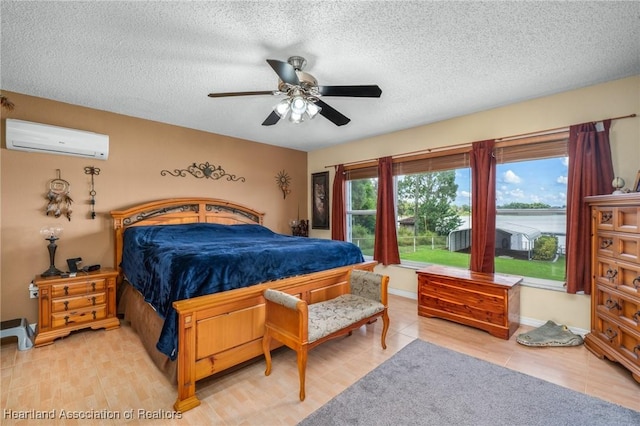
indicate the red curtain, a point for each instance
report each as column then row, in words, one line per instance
column 483, row 206
column 385, row 249
column 339, row 211
column 590, row 173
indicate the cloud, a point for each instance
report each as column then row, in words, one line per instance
column 562, row 179
column 510, row 177
column 516, row 193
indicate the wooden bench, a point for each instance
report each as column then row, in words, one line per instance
column 301, row 327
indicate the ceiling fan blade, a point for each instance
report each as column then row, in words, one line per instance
column 272, row 119
column 332, row 114
column 222, row 95
column 365, row 91
column 285, row 71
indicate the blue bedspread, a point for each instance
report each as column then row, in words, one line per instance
column 175, row 262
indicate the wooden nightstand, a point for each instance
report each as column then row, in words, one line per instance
column 69, row 304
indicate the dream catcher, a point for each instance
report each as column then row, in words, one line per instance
column 59, row 199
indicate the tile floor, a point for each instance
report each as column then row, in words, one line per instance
column 108, row 373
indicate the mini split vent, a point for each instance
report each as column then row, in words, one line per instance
column 35, row 137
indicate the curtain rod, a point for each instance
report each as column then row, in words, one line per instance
column 464, row 145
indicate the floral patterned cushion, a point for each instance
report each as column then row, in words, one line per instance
column 281, row 298
column 366, row 284
column 335, row 314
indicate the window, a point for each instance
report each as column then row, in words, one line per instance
column 531, row 209
column 361, row 199
column 434, row 217
column 433, row 207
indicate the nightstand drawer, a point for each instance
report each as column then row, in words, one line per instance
column 75, row 288
column 71, row 303
column 78, row 316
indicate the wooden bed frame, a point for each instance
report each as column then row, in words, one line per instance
column 219, row 331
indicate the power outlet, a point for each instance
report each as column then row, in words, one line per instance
column 33, row 291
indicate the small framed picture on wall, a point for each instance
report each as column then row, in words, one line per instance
column 636, row 187
column 320, row 201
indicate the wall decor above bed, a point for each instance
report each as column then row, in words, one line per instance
column 204, row 170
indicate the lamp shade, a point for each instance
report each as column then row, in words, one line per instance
column 51, row 231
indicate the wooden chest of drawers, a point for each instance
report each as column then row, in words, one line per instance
column 68, row 304
column 490, row 302
column 615, row 283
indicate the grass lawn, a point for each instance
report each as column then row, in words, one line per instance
column 530, row 268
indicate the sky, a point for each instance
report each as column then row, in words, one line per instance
column 536, row 181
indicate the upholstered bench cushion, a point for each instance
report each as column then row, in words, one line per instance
column 335, row 314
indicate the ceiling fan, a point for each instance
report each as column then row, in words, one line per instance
column 303, row 94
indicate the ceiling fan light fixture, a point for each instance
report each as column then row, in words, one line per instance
column 283, row 107
column 295, row 117
column 298, row 105
column 312, row 109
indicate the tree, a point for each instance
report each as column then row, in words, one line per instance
column 429, row 198
column 516, row 205
column 364, row 196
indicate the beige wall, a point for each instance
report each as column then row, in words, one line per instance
column 139, row 150
column 612, row 99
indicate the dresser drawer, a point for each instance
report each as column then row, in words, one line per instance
column 619, row 274
column 79, row 316
column 616, row 245
column 607, row 330
column 605, row 271
column 624, row 219
column 630, row 345
column 84, row 301
column 627, row 219
column 75, row 288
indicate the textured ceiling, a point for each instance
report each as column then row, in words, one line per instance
column 432, row 60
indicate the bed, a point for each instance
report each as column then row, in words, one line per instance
column 193, row 321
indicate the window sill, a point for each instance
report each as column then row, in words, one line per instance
column 526, row 282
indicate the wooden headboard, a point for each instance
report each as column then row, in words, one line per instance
column 179, row 210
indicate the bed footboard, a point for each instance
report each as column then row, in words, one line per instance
column 222, row 330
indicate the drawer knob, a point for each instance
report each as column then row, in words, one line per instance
column 606, row 217
column 606, row 243
column 66, row 320
column 93, row 300
column 612, row 304
column 636, row 350
column 94, row 314
column 66, row 290
column 93, row 286
column 636, row 282
column 636, row 317
column 611, row 274
column 611, row 334
column 66, row 305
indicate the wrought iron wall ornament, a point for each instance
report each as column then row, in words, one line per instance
column 203, row 170
column 284, row 181
column 93, row 171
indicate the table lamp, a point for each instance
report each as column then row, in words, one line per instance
column 51, row 234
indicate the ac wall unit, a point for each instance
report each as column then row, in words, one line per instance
column 35, row 137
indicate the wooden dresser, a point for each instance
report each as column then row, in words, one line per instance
column 68, row 304
column 490, row 302
column 615, row 282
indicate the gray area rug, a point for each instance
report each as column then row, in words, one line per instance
column 424, row 384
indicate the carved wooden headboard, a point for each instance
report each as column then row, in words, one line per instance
column 173, row 211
